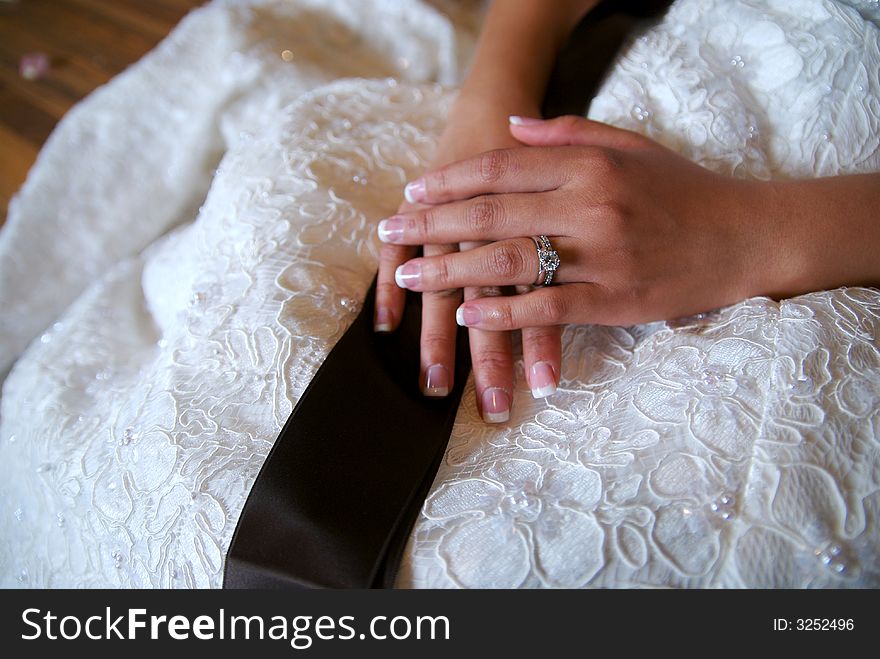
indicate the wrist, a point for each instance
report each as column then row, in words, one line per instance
column 495, row 100
column 479, row 123
column 818, row 234
column 777, row 263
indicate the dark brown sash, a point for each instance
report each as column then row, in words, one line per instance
column 335, row 501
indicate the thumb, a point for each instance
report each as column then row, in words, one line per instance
column 572, row 130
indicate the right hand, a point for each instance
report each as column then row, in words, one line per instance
column 474, row 126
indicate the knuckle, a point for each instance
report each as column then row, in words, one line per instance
column 491, row 360
column 507, row 260
column 580, row 178
column 615, row 214
column 493, row 165
column 601, row 168
column 442, row 295
column 484, row 215
column 487, row 291
column 505, row 316
column 426, row 225
column 442, row 273
column 570, row 122
column 572, row 211
column 441, row 180
column 552, row 308
column 392, row 255
column 386, row 290
column 501, row 316
column 605, row 162
column 440, row 249
column 435, row 342
column 541, row 336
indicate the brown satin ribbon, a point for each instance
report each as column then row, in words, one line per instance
column 337, row 496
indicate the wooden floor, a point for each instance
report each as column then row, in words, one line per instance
column 88, row 42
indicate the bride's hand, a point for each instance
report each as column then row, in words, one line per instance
column 642, row 233
column 473, row 126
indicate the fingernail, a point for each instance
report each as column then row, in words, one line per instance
column 436, row 381
column 542, row 380
column 408, row 275
column 496, row 405
column 414, row 192
column 467, row 316
column 383, row 320
column 517, row 120
column 391, row 230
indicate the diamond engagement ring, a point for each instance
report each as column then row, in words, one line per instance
column 548, row 260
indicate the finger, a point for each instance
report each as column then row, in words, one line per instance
column 542, row 356
column 543, row 307
column 487, row 217
column 492, row 359
column 542, row 359
column 498, row 171
column 503, row 263
column 390, row 298
column 438, row 334
column 573, row 130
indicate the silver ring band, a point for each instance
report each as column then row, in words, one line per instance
column 548, row 260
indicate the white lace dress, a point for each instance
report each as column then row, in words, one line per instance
column 164, row 312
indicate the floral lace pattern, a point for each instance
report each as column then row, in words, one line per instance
column 718, row 453
column 134, row 426
column 737, row 448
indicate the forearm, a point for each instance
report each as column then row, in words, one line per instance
column 517, row 49
column 828, row 233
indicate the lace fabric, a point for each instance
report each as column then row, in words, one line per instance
column 738, row 448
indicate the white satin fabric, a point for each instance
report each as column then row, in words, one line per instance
column 158, row 348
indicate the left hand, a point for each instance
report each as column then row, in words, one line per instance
column 642, row 233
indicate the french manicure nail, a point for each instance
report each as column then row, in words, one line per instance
column 414, row 192
column 467, row 316
column 517, row 120
column 542, row 380
column 391, row 230
column 496, row 405
column 436, row 381
column 383, row 320
column 408, row 275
